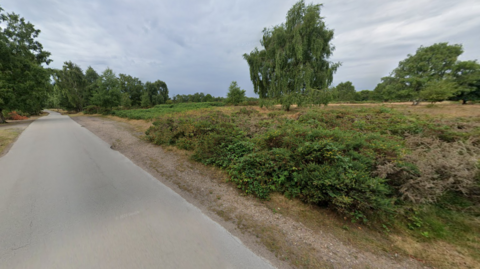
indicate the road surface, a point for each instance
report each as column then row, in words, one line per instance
column 69, row 201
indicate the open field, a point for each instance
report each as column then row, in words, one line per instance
column 444, row 109
column 390, row 154
column 159, row 110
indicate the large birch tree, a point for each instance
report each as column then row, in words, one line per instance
column 294, row 60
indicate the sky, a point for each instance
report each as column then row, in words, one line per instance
column 197, row 45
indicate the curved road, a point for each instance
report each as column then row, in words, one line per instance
column 68, row 201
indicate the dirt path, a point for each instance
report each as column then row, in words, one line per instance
column 277, row 237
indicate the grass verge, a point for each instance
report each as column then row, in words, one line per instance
column 7, row 137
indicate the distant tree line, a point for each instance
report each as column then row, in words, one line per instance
column 198, row 97
column 75, row 89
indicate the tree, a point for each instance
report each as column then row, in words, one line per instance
column 235, row 95
column 437, row 91
column 146, row 100
column 108, row 91
column 24, row 82
column 345, row 91
column 387, row 90
column 53, row 100
column 429, row 66
column 364, row 95
column 208, row 98
column 467, row 76
column 72, row 84
column 157, row 88
column 91, row 77
column 295, row 57
column 132, row 87
column 126, row 101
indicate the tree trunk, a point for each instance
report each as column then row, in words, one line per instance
column 2, row 118
column 464, row 102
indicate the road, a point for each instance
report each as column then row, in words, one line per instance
column 69, row 201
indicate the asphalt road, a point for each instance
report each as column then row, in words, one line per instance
column 69, row 201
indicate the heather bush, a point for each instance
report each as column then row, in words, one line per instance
column 436, row 167
column 159, row 110
column 298, row 158
column 359, row 162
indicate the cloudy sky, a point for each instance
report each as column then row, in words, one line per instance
column 197, row 45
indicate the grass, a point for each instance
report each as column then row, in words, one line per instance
column 7, row 136
column 159, row 110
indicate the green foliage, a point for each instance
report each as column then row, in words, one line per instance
column 235, row 95
column 91, row 77
column 467, row 76
column 126, row 101
column 72, row 85
column 345, row 91
column 294, row 58
column 108, row 91
column 304, row 158
column 157, row 92
column 437, row 91
column 433, row 73
column 146, row 101
column 196, row 98
column 364, row 95
column 351, row 160
column 24, row 82
column 159, row 110
column 91, row 109
column 132, row 88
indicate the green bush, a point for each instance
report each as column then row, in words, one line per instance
column 355, row 161
column 91, row 109
column 298, row 158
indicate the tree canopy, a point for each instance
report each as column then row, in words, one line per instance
column 294, row 58
column 433, row 74
column 345, row 91
column 108, row 94
column 73, row 86
column 24, row 82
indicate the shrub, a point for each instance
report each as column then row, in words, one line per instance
column 436, row 167
column 298, row 159
column 357, row 161
column 91, row 109
column 164, row 109
column 14, row 115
